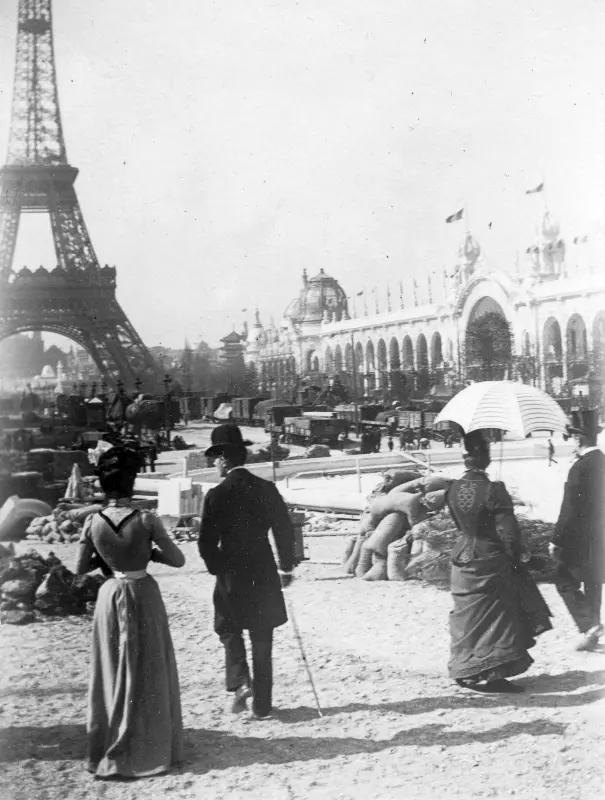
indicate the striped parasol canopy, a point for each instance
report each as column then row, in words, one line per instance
column 505, row 406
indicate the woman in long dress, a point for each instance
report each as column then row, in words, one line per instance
column 134, row 710
column 498, row 609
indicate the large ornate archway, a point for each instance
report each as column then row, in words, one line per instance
column 488, row 342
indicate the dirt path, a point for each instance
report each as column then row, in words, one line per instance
column 394, row 726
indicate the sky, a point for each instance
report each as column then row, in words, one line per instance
column 224, row 147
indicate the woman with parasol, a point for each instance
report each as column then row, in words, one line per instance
column 498, row 609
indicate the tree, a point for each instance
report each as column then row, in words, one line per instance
column 488, row 348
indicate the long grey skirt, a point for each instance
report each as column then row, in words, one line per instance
column 135, row 725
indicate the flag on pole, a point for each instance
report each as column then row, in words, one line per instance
column 415, row 292
column 536, row 189
column 455, row 217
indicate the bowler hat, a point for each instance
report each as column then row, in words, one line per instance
column 584, row 423
column 226, row 439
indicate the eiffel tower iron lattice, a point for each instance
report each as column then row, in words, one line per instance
column 78, row 297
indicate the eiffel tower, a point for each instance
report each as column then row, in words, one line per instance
column 78, row 297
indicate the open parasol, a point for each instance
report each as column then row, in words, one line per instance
column 505, row 406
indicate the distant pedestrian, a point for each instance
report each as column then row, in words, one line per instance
column 551, row 452
column 152, row 455
column 390, row 443
column 377, row 441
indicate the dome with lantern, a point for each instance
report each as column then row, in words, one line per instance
column 547, row 256
column 321, row 297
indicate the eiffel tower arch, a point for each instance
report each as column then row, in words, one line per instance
column 77, row 298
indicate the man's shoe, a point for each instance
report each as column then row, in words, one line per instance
column 590, row 639
column 240, row 697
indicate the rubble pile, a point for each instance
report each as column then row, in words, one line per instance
column 33, row 587
column 62, row 526
column 186, row 529
column 317, row 451
column 261, row 453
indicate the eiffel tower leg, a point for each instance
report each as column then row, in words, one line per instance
column 9, row 226
column 139, row 356
column 120, row 354
column 100, row 358
column 114, row 348
column 72, row 243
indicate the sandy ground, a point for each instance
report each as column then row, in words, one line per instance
column 394, row 725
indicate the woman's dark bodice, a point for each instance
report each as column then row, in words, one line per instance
column 483, row 512
column 124, row 539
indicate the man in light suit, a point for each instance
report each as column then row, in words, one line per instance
column 578, row 543
column 234, row 543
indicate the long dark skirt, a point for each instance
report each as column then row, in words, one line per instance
column 134, row 707
column 498, row 612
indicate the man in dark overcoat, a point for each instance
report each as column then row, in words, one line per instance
column 236, row 518
column 578, row 543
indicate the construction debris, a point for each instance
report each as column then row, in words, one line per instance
column 33, row 587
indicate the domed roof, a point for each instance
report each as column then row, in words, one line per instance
column 319, row 294
column 47, row 372
column 294, row 310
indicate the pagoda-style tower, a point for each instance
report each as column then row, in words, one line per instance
column 77, row 298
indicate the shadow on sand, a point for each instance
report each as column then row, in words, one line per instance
column 213, row 749
column 539, row 693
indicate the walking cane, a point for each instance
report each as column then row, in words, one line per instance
column 303, row 655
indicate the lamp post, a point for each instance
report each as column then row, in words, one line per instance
column 167, row 384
